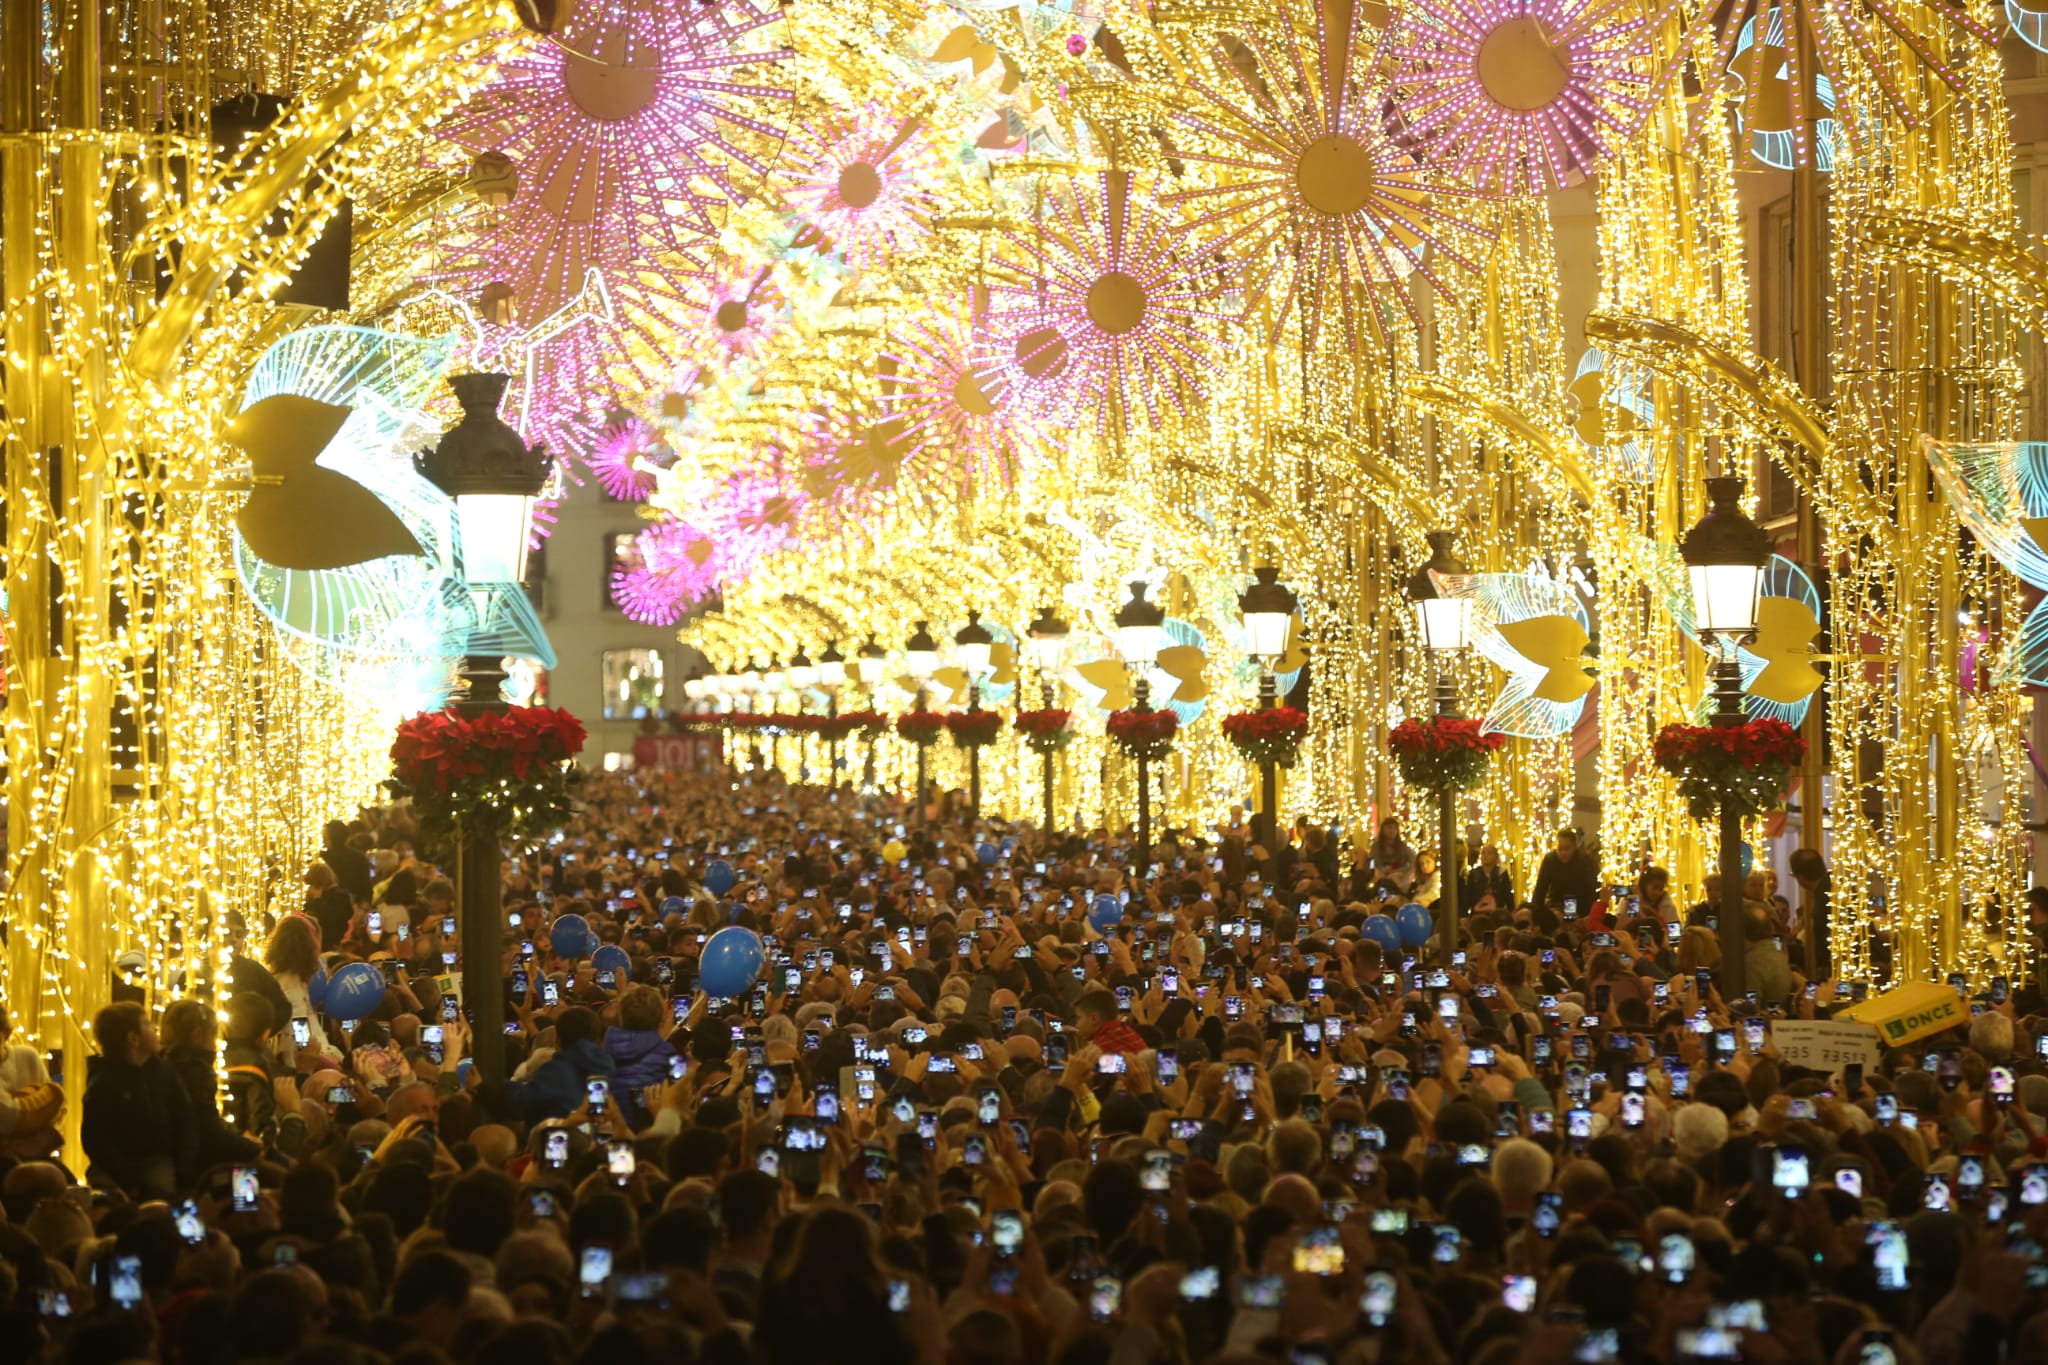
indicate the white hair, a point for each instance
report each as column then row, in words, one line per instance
column 1520, row 1168
column 1698, row 1129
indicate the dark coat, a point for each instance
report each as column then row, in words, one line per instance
column 138, row 1128
column 218, row 1142
column 557, row 1088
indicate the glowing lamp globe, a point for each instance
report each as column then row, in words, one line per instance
column 1443, row 620
column 871, row 662
column 1140, row 628
column 493, row 478
column 1268, row 610
column 832, row 666
column 975, row 647
column 1047, row 642
column 1726, row 555
column 921, row 653
column 803, row 674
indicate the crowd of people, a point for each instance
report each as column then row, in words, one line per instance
column 991, row 1100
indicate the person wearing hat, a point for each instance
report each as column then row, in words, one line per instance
column 351, row 868
column 127, row 967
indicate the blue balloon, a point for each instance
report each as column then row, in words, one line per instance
column 612, row 958
column 570, row 937
column 988, row 853
column 1748, row 858
column 1382, row 931
column 316, row 989
column 673, row 905
column 731, row 961
column 719, row 877
column 354, row 992
column 1105, row 913
column 1414, row 924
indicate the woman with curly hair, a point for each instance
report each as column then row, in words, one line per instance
column 293, row 956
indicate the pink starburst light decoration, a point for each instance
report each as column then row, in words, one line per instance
column 625, row 458
column 627, row 128
column 866, row 182
column 1103, row 306
column 950, row 404
column 748, row 516
column 1329, row 212
column 670, row 567
column 743, row 310
column 1521, row 94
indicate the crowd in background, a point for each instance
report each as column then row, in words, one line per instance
column 991, row 1100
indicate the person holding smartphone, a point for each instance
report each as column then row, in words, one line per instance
column 560, row 1086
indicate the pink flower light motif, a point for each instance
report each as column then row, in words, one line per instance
column 627, row 128
column 1329, row 213
column 1521, row 94
column 621, row 458
column 1101, row 308
column 743, row 310
column 669, row 568
column 949, row 403
column 748, row 516
column 864, row 184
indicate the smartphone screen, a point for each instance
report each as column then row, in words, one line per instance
column 595, row 1268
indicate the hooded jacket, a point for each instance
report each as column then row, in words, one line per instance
column 557, row 1088
column 640, row 1058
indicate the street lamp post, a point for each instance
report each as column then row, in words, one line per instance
column 774, row 682
column 921, row 656
column 1048, row 645
column 1444, row 623
column 1725, row 556
column 803, row 674
column 870, row 663
column 832, row 677
column 975, row 647
column 748, row 686
column 1140, row 635
column 493, row 478
column 1268, row 610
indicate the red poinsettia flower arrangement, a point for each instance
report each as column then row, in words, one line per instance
column 921, row 728
column 1270, row 736
column 1144, row 734
column 1750, row 764
column 836, row 728
column 869, row 723
column 1047, row 729
column 1442, row 753
column 487, row 775
column 974, row 729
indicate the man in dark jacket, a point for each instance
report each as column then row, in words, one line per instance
column 351, row 866
column 138, row 1127
column 1569, row 879
column 560, row 1085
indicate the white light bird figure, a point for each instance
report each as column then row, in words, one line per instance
column 1534, row 629
column 2000, row 492
column 1778, row 676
